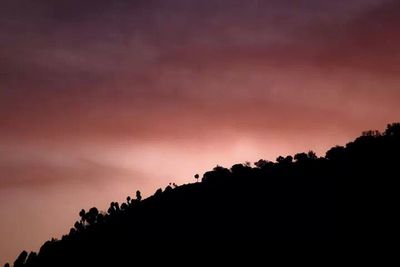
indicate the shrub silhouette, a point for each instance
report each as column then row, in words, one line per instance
column 91, row 216
column 393, row 130
column 335, row 153
column 262, row 163
column 82, row 214
column 138, row 196
column 20, row 261
column 284, row 160
column 311, row 155
column 272, row 201
column 301, row 157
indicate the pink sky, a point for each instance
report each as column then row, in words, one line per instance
column 100, row 99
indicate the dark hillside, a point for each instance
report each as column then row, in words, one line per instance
column 347, row 194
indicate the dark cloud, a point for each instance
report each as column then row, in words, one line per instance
column 77, row 42
column 367, row 42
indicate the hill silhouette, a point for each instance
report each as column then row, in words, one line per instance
column 348, row 194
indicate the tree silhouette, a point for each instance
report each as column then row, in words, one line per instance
column 168, row 189
column 116, row 207
column 138, row 196
column 280, row 159
column 82, row 214
column 393, row 129
column 124, row 206
column 263, row 164
column 20, row 261
column 301, row 157
column 370, row 133
column 32, row 258
column 91, row 216
column 311, row 155
column 79, row 226
column 158, row 192
column 196, row 176
column 270, row 201
column 72, row 231
column 304, row 157
column 284, row 160
column 335, row 153
column 218, row 174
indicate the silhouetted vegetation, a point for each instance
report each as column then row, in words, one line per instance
column 347, row 194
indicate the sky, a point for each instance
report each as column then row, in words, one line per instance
column 101, row 98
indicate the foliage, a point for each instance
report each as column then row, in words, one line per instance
column 294, row 198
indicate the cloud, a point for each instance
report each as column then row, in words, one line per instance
column 27, row 166
column 188, row 69
column 91, row 43
column 366, row 43
column 189, row 83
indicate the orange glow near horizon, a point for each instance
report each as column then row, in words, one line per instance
column 101, row 98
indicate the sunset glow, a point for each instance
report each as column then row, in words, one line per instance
column 100, row 98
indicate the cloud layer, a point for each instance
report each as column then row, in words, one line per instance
column 100, row 92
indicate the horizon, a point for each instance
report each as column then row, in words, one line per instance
column 100, row 99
